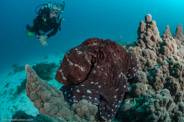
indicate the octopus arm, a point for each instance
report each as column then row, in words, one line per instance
column 133, row 65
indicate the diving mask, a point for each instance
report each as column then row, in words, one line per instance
column 56, row 11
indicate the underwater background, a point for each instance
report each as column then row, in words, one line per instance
column 159, row 80
column 112, row 19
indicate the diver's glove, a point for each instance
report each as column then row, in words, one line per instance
column 42, row 40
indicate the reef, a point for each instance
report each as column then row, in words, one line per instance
column 156, row 92
column 178, row 35
column 16, row 69
column 21, row 88
column 45, row 70
column 146, row 77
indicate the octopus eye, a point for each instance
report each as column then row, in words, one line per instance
column 101, row 55
column 93, row 60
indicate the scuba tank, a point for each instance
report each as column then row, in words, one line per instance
column 40, row 7
column 49, row 5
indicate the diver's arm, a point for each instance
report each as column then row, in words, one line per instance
column 53, row 32
column 57, row 26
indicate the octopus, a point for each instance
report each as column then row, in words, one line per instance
column 98, row 71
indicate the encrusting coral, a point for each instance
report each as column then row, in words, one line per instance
column 149, row 107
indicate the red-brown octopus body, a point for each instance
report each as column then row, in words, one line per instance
column 97, row 71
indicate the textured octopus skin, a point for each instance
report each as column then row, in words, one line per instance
column 98, row 71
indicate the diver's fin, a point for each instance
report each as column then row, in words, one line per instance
column 30, row 33
column 29, row 30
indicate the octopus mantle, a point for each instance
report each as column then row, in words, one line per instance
column 97, row 71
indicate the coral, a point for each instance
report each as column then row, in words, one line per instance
column 168, row 74
column 16, row 69
column 150, row 49
column 24, row 117
column 140, row 77
column 155, row 107
column 7, row 85
column 169, row 47
column 22, row 87
column 179, row 37
column 85, row 109
column 148, row 34
column 21, row 115
column 146, row 57
column 137, row 89
column 167, row 33
column 161, row 71
column 148, row 18
column 50, row 101
column 97, row 71
column 45, row 70
column 90, row 75
column 179, row 33
column 146, row 48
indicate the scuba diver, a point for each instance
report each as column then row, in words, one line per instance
column 48, row 21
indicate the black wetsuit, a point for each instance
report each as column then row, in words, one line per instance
column 44, row 25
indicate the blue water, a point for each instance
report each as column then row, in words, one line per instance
column 83, row 19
